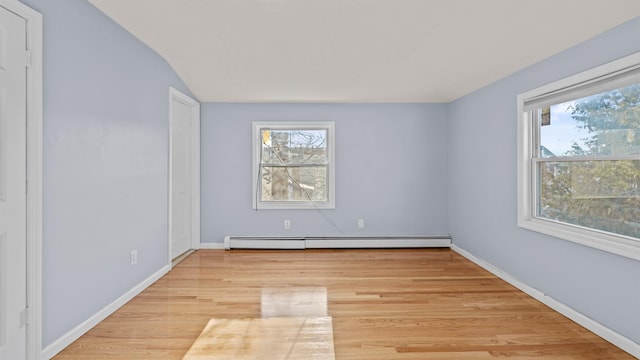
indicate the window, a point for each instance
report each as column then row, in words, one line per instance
column 293, row 165
column 579, row 158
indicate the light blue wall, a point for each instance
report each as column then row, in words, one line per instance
column 391, row 166
column 482, row 194
column 105, row 162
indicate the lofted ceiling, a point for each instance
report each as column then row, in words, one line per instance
column 357, row 50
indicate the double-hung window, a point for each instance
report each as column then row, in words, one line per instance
column 293, row 165
column 579, row 158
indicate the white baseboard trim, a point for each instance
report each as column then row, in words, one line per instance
column 68, row 338
column 212, row 246
column 335, row 242
column 604, row 332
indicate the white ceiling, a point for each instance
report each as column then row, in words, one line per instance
column 357, row 50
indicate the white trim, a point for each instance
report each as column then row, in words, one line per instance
column 34, row 174
column 75, row 333
column 211, row 246
column 616, row 244
column 175, row 94
column 331, row 166
column 606, row 333
column 335, row 242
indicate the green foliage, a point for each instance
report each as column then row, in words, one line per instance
column 603, row 195
column 613, row 121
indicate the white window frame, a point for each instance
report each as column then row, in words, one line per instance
column 527, row 135
column 256, row 140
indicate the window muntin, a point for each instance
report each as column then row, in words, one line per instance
column 579, row 158
column 293, row 165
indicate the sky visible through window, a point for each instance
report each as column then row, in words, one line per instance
column 563, row 132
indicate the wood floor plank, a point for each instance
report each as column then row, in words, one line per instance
column 384, row 304
column 293, row 338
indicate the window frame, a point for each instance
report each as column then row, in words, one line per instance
column 528, row 137
column 256, row 139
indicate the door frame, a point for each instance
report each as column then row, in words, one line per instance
column 34, row 174
column 194, row 105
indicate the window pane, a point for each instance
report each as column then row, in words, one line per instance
column 603, row 195
column 294, row 183
column 603, row 124
column 294, row 147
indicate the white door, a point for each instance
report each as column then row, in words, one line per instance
column 180, row 177
column 13, row 249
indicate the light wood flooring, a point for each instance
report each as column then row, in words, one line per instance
column 384, row 304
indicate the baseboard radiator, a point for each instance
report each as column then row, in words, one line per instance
column 335, row 242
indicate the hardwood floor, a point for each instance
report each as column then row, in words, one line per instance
column 384, row 304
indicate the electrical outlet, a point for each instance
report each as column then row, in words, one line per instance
column 360, row 223
column 287, row 224
column 134, row 257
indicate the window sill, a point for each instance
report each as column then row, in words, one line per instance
column 297, row 205
column 619, row 245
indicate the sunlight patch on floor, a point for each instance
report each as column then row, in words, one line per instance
column 265, row 338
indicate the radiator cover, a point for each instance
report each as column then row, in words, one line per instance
column 335, row 242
